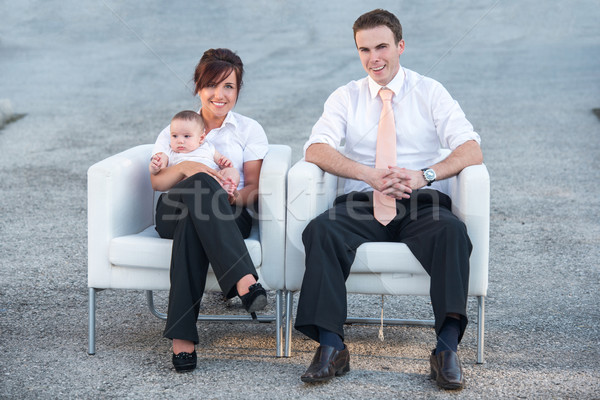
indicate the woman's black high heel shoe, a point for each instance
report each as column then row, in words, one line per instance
column 255, row 299
column 184, row 362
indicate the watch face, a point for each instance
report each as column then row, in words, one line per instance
column 429, row 175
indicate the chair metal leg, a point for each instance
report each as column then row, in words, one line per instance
column 289, row 305
column 480, row 328
column 92, row 322
column 206, row 317
column 390, row 321
column 279, row 330
column 278, row 322
column 153, row 310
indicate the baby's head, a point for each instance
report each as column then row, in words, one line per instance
column 187, row 131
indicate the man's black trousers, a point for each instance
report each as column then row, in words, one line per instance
column 425, row 223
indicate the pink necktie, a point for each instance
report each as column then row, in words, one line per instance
column 384, row 207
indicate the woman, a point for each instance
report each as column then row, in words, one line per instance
column 206, row 224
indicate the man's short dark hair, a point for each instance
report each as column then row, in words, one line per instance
column 376, row 18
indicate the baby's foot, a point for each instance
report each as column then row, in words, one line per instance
column 229, row 186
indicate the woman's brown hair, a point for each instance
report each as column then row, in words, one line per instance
column 216, row 65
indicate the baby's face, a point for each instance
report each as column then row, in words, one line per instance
column 186, row 135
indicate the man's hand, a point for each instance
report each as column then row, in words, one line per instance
column 394, row 182
column 408, row 177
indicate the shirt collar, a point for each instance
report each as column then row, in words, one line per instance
column 395, row 84
column 229, row 119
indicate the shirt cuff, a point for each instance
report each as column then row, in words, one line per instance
column 463, row 138
column 318, row 140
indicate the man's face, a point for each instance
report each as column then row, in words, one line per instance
column 379, row 54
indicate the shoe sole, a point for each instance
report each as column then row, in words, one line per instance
column 258, row 304
column 185, row 368
column 326, row 378
column 445, row 385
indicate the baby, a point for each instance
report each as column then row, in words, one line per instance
column 187, row 144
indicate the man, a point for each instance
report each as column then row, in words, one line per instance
column 425, row 120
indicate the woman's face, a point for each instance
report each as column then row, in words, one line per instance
column 219, row 98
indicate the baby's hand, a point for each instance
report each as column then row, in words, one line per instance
column 158, row 162
column 224, row 162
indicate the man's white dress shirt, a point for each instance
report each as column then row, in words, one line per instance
column 427, row 120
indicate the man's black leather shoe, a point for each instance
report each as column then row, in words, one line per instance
column 327, row 363
column 446, row 370
column 184, row 362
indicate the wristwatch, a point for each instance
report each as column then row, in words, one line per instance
column 429, row 175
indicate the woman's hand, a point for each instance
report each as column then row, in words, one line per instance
column 190, row 168
column 170, row 176
column 249, row 193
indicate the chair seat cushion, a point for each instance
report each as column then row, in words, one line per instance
column 386, row 257
column 148, row 250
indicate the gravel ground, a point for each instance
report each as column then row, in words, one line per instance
column 96, row 77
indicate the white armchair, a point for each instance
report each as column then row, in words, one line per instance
column 125, row 251
column 387, row 268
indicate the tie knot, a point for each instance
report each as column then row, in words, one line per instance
column 385, row 94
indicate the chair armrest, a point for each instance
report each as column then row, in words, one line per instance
column 272, row 213
column 311, row 191
column 470, row 193
column 120, row 202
